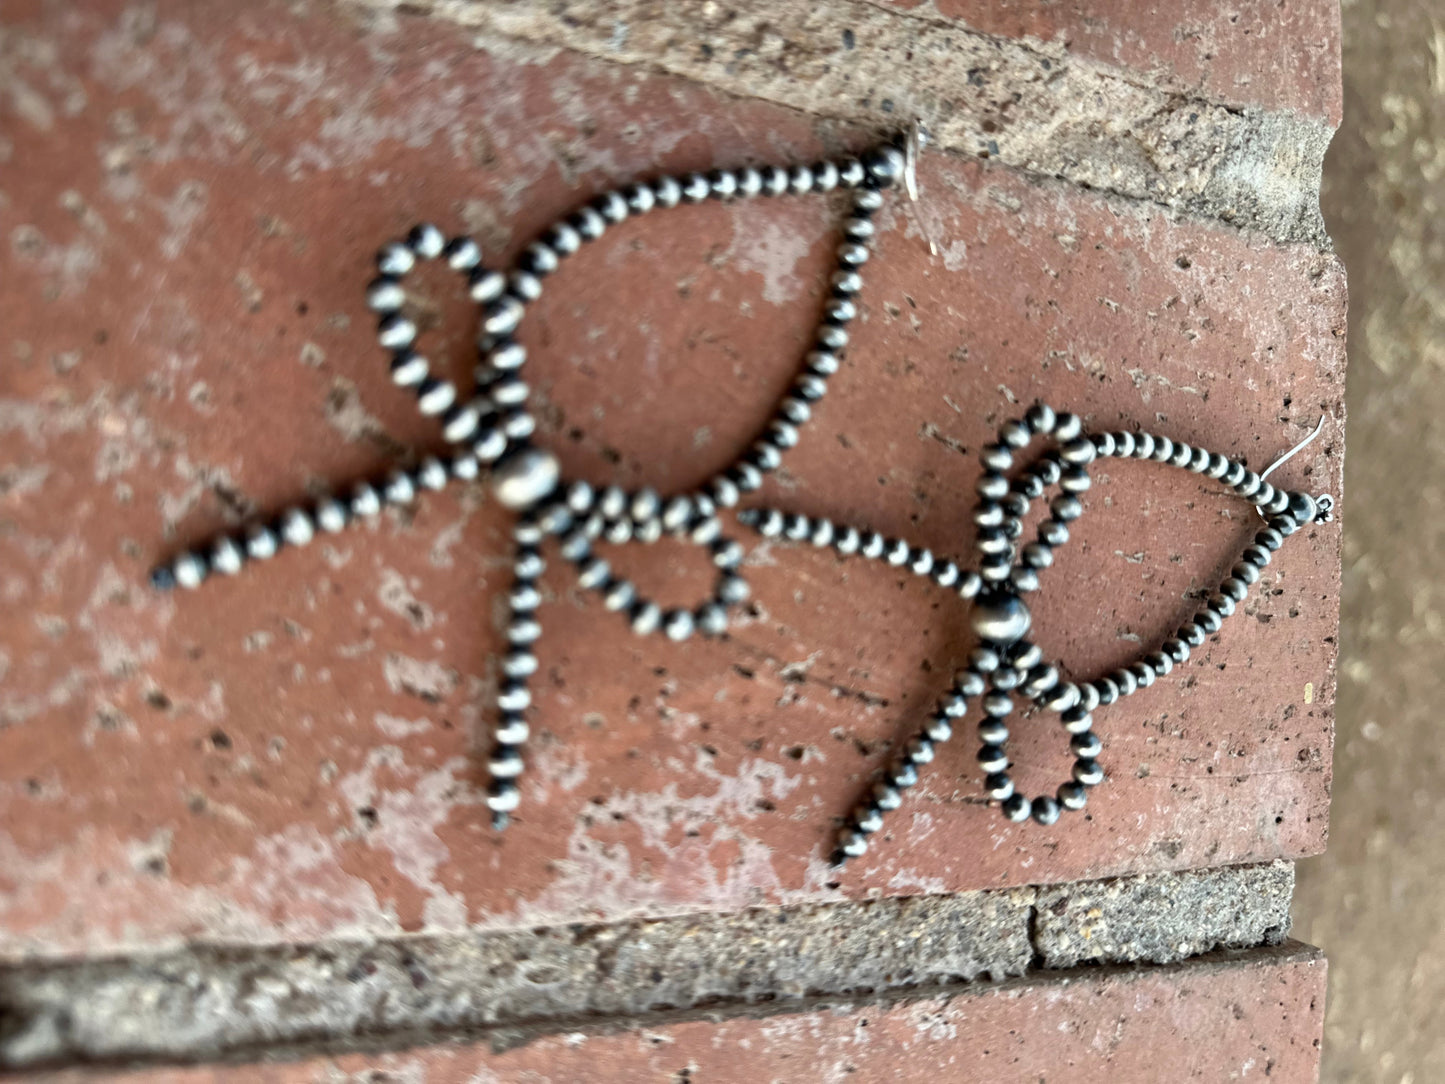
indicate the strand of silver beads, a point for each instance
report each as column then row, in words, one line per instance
column 492, row 430
column 1005, row 663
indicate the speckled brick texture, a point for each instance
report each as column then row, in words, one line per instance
column 1279, row 54
column 191, row 195
column 1228, row 1017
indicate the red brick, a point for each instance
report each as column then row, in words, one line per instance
column 1252, row 1016
column 1278, row 54
column 192, row 206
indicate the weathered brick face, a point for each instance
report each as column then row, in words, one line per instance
column 191, row 196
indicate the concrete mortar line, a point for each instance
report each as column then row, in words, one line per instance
column 233, row 1002
column 1030, row 105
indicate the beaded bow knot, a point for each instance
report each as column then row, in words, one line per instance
column 1005, row 661
column 492, row 430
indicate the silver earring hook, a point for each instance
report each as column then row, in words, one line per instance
column 1324, row 502
column 912, row 145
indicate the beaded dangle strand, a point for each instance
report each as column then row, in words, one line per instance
column 492, row 430
column 1005, row 662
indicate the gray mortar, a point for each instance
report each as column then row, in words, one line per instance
column 209, row 1001
column 1162, row 917
column 1030, row 105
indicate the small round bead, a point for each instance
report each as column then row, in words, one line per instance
column 712, row 619
column 1041, row 418
column 646, row 617
column 998, row 786
column 970, row 685
column 1053, row 533
column 851, row 254
column 992, row 758
column 1037, row 555
column 1163, row 450
column 188, row 571
column 1255, row 555
column 919, row 750
column 1208, row 621
column 867, row 818
column 667, row 192
column 1061, row 697
column 1246, row 572
column 1039, row 680
column 1087, row 771
column 1077, row 720
column 395, row 259
column 678, row 625
column 867, row 200
column 992, row 487
column 505, row 763
column 993, row 731
column 589, row 224
column 1234, row 474
column 997, row 705
column 331, row 514
column 775, row 181
column 732, row 590
column 365, row 501
column 885, row 165
column 1159, row 662
column 1078, row 451
column 1106, row 689
column 1066, row 508
column 996, row 457
column 1024, row 579
column 1143, row 445
column 512, row 730
column 226, row 557
column 939, row 728
column 1017, row 808
column 426, row 241
column 1067, row 427
column 1015, row 434
column 695, row 188
column 1221, row 604
column 1234, row 588
column 846, row 282
column 1086, row 745
column 297, row 527
column 984, row 659
column 750, row 182
column 886, row 796
column 1123, row 445
column 1045, row 809
column 851, row 173
column 1073, row 796
column 969, row 585
column 903, row 774
column 1076, row 480
column 723, row 183
column 1104, row 444
column 1302, row 507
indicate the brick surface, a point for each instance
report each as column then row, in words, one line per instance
column 1278, row 54
column 191, row 198
column 1251, row 1017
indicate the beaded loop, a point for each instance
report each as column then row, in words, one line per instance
column 492, row 429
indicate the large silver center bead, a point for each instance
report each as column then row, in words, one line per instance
column 1000, row 617
column 523, row 478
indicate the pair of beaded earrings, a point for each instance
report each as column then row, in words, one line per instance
column 491, row 431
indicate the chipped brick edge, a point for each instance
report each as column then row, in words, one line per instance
column 1033, row 106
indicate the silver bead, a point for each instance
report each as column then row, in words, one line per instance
column 1000, row 617
column 395, row 259
column 525, row 477
column 1017, row 808
column 189, row 570
column 226, row 557
column 296, row 528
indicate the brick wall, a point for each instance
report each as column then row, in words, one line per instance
column 247, row 822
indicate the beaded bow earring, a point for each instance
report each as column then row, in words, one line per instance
column 492, row 430
column 1005, row 661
